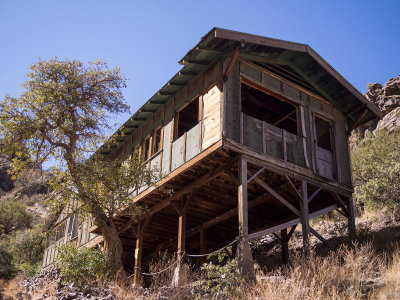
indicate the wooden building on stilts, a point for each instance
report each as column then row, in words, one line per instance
column 250, row 138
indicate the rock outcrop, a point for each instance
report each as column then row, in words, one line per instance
column 387, row 98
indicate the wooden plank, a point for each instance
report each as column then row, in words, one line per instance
column 193, row 142
column 232, row 99
column 212, row 128
column 283, row 168
column 320, row 237
column 178, row 153
column 305, row 218
column 290, row 223
column 166, row 159
column 242, row 199
column 277, row 196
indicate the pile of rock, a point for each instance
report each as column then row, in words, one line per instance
column 48, row 285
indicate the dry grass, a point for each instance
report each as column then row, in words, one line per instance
column 391, row 277
column 349, row 273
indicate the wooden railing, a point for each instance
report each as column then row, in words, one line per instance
column 273, row 141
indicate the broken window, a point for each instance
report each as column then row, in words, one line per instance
column 323, row 133
column 187, row 118
column 60, row 231
column 269, row 109
column 146, row 149
column 157, row 140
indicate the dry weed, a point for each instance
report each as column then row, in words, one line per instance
column 349, row 273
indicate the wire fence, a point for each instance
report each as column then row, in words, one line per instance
column 188, row 255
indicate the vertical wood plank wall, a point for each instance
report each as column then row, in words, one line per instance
column 249, row 131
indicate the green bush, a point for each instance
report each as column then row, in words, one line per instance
column 27, row 247
column 376, row 170
column 13, row 216
column 82, row 266
column 221, row 280
column 7, row 269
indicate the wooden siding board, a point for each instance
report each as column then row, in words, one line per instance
column 178, row 153
column 252, row 133
column 233, row 106
column 342, row 154
column 211, row 125
column 193, row 142
column 271, row 82
column 166, row 158
column 155, row 163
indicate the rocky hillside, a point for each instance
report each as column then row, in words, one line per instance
column 387, row 98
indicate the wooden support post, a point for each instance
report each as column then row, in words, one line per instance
column 352, row 218
column 181, row 269
column 138, row 250
column 138, row 260
column 285, row 246
column 244, row 255
column 304, row 218
column 181, row 233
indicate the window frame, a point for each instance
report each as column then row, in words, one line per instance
column 176, row 116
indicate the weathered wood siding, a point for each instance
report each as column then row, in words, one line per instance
column 299, row 149
column 211, row 117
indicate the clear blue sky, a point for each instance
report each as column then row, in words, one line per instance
column 360, row 39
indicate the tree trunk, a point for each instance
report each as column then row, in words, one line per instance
column 114, row 245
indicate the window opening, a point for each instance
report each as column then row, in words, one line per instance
column 187, row 118
column 269, row 109
column 157, row 140
column 60, row 231
column 146, row 150
column 324, row 133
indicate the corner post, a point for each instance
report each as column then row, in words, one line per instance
column 352, row 218
column 304, row 217
column 244, row 255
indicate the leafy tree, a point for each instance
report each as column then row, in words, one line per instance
column 13, row 216
column 62, row 117
column 376, row 169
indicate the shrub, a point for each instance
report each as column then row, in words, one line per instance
column 376, row 170
column 82, row 266
column 7, row 270
column 13, row 216
column 27, row 247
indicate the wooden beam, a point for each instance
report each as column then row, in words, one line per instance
column 290, row 223
column 293, row 187
column 283, row 168
column 314, row 194
column 244, row 255
column 314, row 232
column 305, row 218
column 339, row 201
column 242, row 199
column 277, row 196
column 357, row 122
column 352, row 218
column 223, row 217
column 255, row 175
column 231, row 63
